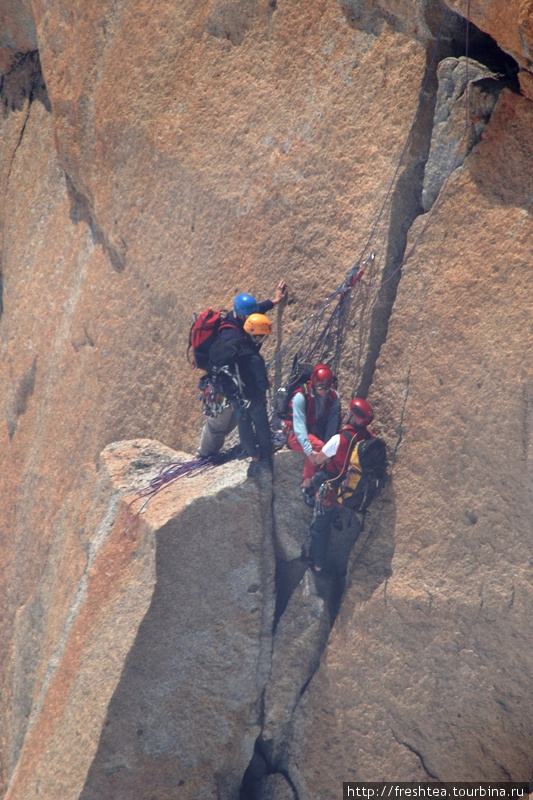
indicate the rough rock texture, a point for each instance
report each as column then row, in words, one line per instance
column 165, row 649
column 298, row 643
column 466, row 97
column 159, row 158
column 510, row 24
column 292, row 517
column 435, row 625
column 275, row 787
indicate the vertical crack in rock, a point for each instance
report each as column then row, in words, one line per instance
column 465, row 89
column 437, row 131
column 24, row 82
column 306, row 608
column 399, row 430
column 19, row 88
column 405, row 207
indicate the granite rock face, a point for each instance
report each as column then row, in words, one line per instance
column 164, row 654
column 156, row 160
column 510, row 25
column 434, row 625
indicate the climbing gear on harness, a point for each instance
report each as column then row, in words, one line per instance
column 325, row 498
column 361, row 478
column 308, row 495
column 245, row 304
column 224, row 374
column 361, row 410
column 226, row 380
column 258, row 325
column 213, row 404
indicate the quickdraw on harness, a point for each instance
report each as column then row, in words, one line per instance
column 226, row 383
column 325, row 498
column 213, row 404
column 361, row 478
column 326, row 494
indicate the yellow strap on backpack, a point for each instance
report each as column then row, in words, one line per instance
column 352, row 475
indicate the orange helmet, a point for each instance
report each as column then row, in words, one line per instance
column 258, row 325
column 361, row 410
column 322, row 374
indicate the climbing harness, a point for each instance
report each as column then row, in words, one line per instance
column 213, row 404
column 225, row 381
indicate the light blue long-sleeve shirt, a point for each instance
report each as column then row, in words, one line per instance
column 299, row 421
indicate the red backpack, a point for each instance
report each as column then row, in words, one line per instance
column 203, row 334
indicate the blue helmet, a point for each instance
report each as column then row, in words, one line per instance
column 245, row 304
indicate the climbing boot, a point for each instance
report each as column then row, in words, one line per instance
column 259, row 465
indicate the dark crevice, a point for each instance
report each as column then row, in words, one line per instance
column 18, row 396
column 406, row 206
column 329, row 586
column 288, row 576
column 258, row 770
column 419, row 755
column 19, row 88
column 24, row 82
column 483, row 48
column 406, row 199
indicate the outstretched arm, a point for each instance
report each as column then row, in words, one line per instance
column 327, row 452
column 318, row 458
column 281, row 293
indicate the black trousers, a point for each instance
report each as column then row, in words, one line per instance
column 319, row 534
column 254, row 429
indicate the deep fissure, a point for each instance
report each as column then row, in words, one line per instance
column 406, row 199
column 406, row 206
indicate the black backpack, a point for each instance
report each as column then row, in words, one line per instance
column 365, row 476
column 300, row 375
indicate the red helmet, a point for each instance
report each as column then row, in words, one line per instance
column 362, row 411
column 322, row 374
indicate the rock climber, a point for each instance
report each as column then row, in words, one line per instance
column 334, row 454
column 216, row 429
column 315, row 419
